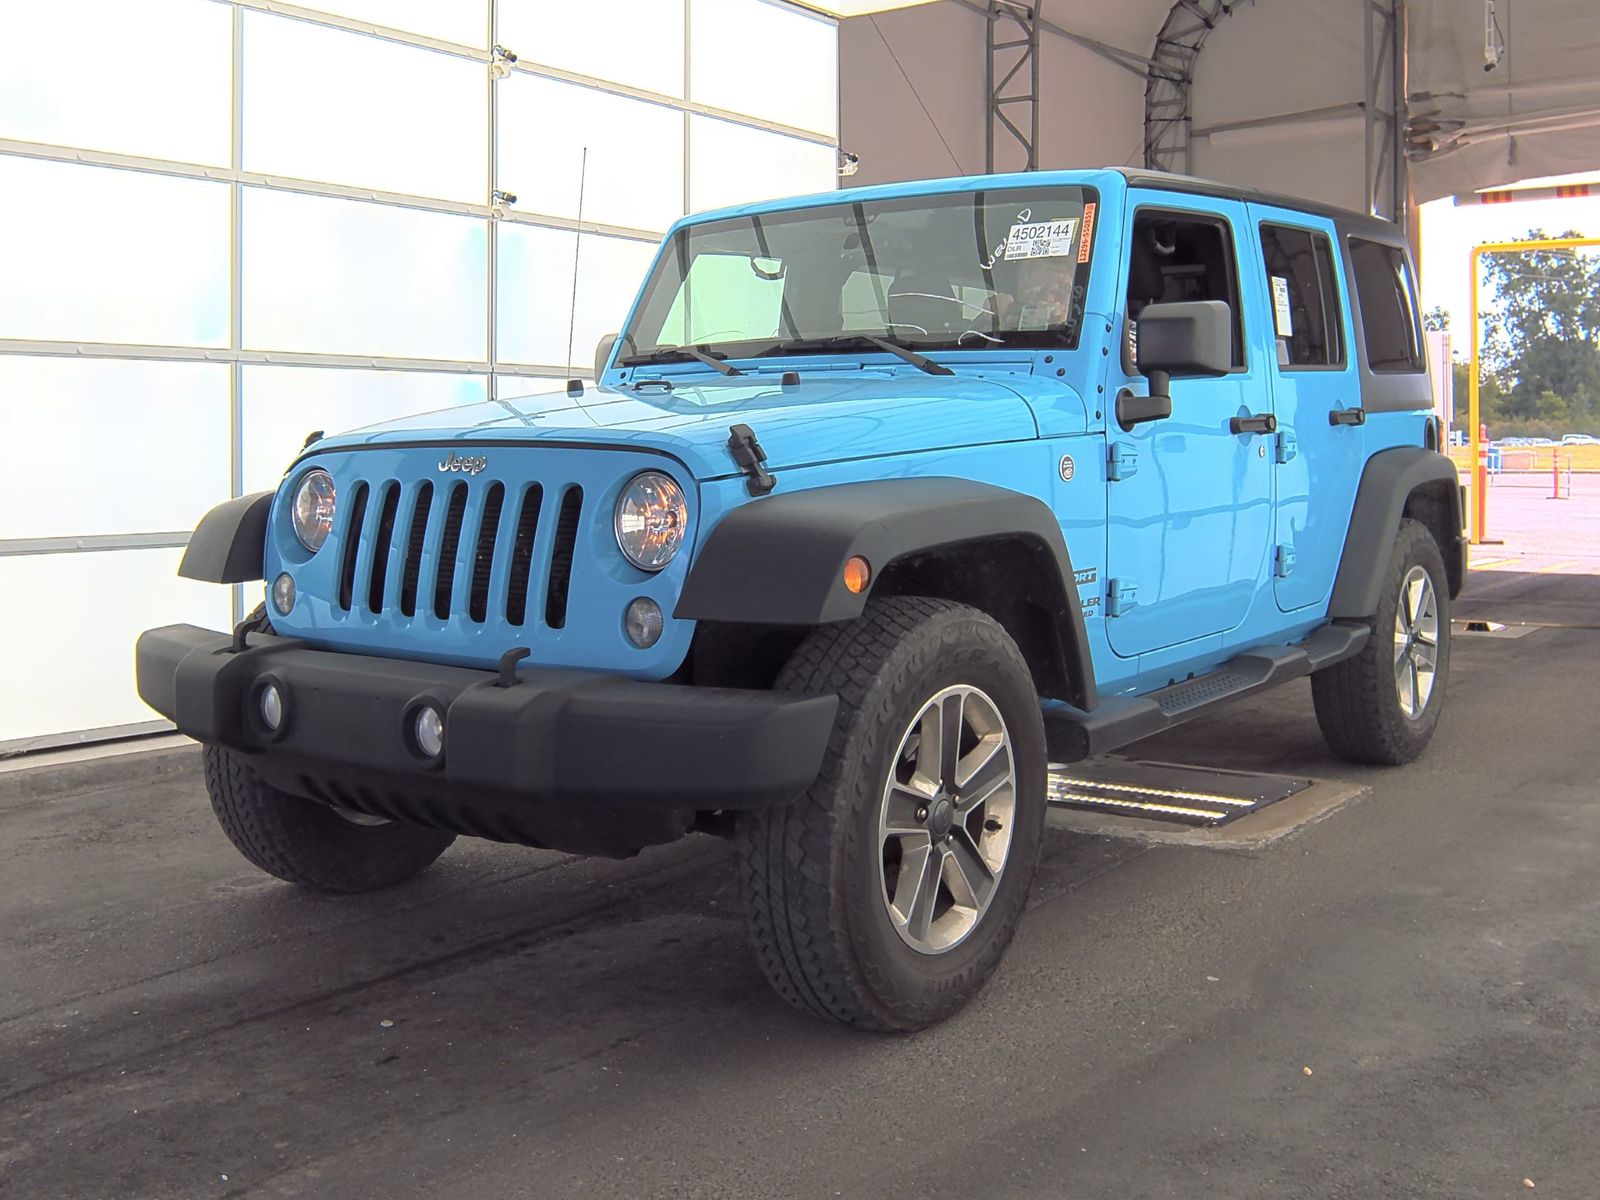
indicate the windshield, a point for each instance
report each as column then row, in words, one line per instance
column 962, row 270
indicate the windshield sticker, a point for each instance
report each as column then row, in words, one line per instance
column 1281, row 314
column 1042, row 239
column 1087, row 236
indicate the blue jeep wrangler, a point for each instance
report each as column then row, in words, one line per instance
column 882, row 501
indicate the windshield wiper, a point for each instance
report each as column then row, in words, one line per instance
column 668, row 353
column 846, row 340
column 921, row 361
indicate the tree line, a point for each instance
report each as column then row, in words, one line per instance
column 1540, row 357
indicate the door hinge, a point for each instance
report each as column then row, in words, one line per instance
column 1122, row 461
column 1122, row 597
column 1288, row 445
column 1283, row 561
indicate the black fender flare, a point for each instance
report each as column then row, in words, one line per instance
column 1387, row 483
column 780, row 560
column 229, row 545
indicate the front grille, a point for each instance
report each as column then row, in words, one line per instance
column 471, row 550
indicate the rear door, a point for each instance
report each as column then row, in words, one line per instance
column 1189, row 502
column 1313, row 374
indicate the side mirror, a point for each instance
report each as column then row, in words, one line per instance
column 1194, row 337
column 602, row 354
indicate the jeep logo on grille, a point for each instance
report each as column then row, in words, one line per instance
column 466, row 466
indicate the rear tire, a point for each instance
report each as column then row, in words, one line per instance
column 832, row 882
column 1382, row 706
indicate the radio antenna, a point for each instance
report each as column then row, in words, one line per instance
column 577, row 246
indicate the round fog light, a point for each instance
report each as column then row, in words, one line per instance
column 271, row 702
column 283, row 593
column 428, row 730
column 643, row 622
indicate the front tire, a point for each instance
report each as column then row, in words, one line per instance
column 885, row 896
column 311, row 844
column 1382, row 706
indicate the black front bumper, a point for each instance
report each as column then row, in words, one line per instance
column 557, row 739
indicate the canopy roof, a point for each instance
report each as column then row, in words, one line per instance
column 1289, row 95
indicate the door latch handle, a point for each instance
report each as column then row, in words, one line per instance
column 1255, row 423
column 1348, row 416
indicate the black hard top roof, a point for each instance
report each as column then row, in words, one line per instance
column 1347, row 219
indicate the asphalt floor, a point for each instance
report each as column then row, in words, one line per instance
column 1399, row 999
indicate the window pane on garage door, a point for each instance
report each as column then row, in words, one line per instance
column 534, row 282
column 733, row 164
column 634, row 171
column 637, row 42
column 465, row 22
column 150, row 79
column 95, row 254
column 767, row 60
column 67, row 627
column 329, row 105
column 284, row 404
column 348, row 277
column 119, row 447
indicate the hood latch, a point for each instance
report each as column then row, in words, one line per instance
column 748, row 457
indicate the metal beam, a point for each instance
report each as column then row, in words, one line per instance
column 1387, row 189
column 10, row 547
column 272, row 358
column 1169, row 83
column 1289, row 118
column 1138, row 64
column 311, row 187
column 1006, row 57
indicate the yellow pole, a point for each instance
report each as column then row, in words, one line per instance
column 1474, row 455
column 1474, row 419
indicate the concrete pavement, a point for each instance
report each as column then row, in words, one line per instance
column 1399, row 1000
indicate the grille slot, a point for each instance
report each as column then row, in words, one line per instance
column 413, row 563
column 483, row 560
column 352, row 546
column 522, row 554
column 555, row 600
column 444, row 585
column 382, row 545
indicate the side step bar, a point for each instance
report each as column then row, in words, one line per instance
column 1073, row 734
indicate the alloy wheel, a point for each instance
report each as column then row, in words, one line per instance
column 945, row 819
column 1416, row 642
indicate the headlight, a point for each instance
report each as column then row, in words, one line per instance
column 313, row 509
column 650, row 520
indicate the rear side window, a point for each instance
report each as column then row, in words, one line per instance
column 1389, row 325
column 1304, row 295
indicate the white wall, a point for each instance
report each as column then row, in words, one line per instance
column 881, row 110
column 1092, row 111
column 1290, row 56
column 152, row 260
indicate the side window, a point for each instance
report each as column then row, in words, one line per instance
column 1179, row 256
column 1389, row 325
column 1304, row 295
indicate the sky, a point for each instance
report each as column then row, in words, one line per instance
column 1449, row 233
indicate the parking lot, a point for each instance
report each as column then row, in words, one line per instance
column 1401, row 998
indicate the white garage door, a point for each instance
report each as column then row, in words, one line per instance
column 226, row 227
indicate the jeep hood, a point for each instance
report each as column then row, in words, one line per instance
column 824, row 418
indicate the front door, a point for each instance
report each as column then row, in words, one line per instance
column 1313, row 381
column 1189, row 501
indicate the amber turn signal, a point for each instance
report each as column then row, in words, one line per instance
column 857, row 574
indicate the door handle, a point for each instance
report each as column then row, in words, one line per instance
column 1348, row 416
column 1254, row 423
